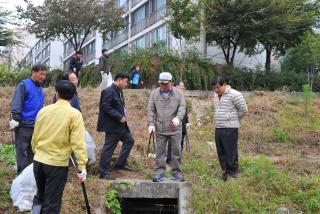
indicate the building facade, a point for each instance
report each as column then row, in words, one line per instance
column 146, row 28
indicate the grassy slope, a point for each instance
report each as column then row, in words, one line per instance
column 279, row 157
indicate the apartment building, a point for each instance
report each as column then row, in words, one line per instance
column 45, row 52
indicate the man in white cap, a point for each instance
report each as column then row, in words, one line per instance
column 166, row 110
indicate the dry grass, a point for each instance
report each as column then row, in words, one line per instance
column 300, row 155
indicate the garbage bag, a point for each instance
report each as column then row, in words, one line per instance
column 90, row 149
column 23, row 189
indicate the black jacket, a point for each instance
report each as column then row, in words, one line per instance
column 111, row 111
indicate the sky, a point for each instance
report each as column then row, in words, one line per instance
column 11, row 5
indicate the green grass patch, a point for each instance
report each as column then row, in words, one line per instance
column 7, row 154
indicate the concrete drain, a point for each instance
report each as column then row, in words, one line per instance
column 147, row 197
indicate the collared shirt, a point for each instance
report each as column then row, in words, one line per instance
column 59, row 131
column 166, row 94
column 122, row 100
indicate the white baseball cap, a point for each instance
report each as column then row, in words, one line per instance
column 165, row 77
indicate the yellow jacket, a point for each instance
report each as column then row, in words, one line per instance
column 58, row 131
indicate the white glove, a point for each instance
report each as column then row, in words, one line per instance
column 187, row 125
column 13, row 124
column 151, row 129
column 130, row 81
column 175, row 122
column 82, row 176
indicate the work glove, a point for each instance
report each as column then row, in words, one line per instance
column 175, row 122
column 82, row 175
column 151, row 129
column 13, row 124
column 130, row 81
column 188, row 125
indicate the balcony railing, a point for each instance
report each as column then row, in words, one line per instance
column 116, row 41
column 149, row 20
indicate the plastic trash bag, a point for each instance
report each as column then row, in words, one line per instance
column 106, row 80
column 23, row 189
column 90, row 149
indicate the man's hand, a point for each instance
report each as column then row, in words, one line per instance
column 82, row 176
column 13, row 124
column 151, row 129
column 141, row 82
column 123, row 120
column 130, row 81
column 175, row 122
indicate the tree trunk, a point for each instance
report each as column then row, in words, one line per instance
column 203, row 40
column 268, row 61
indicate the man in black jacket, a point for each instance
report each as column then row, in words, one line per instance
column 113, row 121
column 76, row 63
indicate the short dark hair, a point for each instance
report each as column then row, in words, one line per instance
column 219, row 80
column 104, row 50
column 79, row 52
column 38, row 67
column 65, row 89
column 121, row 75
column 176, row 83
column 65, row 76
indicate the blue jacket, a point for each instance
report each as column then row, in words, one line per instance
column 135, row 77
column 27, row 101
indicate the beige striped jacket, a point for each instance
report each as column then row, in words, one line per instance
column 230, row 109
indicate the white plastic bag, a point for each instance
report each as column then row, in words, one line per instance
column 90, row 149
column 23, row 189
column 106, row 80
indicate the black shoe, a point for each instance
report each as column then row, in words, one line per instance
column 225, row 177
column 177, row 177
column 124, row 168
column 158, row 177
column 107, row 177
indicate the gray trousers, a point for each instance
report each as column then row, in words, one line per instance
column 175, row 143
column 24, row 154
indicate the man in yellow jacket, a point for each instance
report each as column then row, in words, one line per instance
column 59, row 131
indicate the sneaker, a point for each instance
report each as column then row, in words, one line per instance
column 177, row 177
column 107, row 177
column 158, row 177
column 124, row 168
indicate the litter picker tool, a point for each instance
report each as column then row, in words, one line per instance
column 187, row 143
column 151, row 155
column 83, row 190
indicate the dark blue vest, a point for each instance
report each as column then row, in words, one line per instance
column 33, row 101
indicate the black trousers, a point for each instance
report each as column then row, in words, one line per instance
column 50, row 182
column 111, row 142
column 24, row 154
column 169, row 147
column 227, row 149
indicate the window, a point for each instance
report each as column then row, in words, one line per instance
column 139, row 14
column 157, row 4
column 141, row 43
column 162, row 33
column 121, row 3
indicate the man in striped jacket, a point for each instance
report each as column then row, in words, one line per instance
column 230, row 107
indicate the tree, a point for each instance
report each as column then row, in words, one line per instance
column 230, row 25
column 283, row 24
column 183, row 23
column 73, row 20
column 7, row 36
column 305, row 58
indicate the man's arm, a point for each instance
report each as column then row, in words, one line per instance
column 240, row 104
column 101, row 64
column 107, row 98
column 78, row 141
column 151, row 110
column 17, row 101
